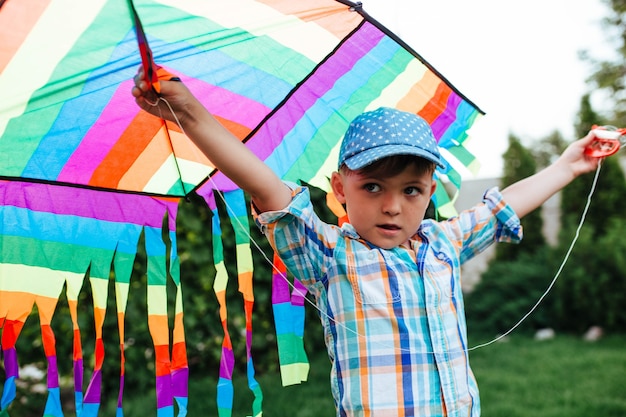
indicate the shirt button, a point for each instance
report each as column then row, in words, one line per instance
column 371, row 255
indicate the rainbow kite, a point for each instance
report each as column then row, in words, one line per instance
column 83, row 172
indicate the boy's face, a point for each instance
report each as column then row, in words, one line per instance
column 384, row 211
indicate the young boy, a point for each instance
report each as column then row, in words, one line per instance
column 387, row 283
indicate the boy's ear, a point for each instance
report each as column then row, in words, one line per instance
column 433, row 187
column 336, row 183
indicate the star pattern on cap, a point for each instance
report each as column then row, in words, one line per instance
column 372, row 135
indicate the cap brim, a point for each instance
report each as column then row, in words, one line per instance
column 369, row 156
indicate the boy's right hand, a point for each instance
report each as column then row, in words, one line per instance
column 174, row 93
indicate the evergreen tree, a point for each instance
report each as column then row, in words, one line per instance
column 519, row 163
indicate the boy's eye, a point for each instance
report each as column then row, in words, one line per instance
column 412, row 191
column 371, row 187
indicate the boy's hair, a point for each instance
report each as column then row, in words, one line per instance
column 394, row 165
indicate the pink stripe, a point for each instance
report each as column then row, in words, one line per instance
column 102, row 136
column 226, row 104
column 102, row 205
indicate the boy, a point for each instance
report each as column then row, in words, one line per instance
column 387, row 283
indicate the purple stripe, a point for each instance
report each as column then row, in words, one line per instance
column 121, row 394
column 101, row 205
column 92, row 396
column 180, row 378
column 227, row 363
column 280, row 289
column 164, row 391
column 10, row 362
column 101, row 137
column 276, row 128
column 206, row 192
column 53, row 372
column 299, row 292
column 78, row 375
column 447, row 117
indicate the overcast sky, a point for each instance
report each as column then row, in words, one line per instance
column 518, row 62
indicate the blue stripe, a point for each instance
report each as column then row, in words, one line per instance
column 218, row 68
column 293, row 145
column 80, row 113
column 69, row 229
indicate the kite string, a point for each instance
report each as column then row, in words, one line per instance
column 356, row 333
column 558, row 272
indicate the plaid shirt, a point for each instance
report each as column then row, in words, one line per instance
column 393, row 320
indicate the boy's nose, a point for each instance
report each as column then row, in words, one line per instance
column 391, row 204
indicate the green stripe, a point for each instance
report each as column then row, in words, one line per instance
column 54, row 255
column 320, row 145
column 241, row 45
column 91, row 51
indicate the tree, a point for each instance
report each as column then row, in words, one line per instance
column 610, row 75
column 519, row 163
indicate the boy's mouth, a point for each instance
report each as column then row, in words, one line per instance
column 389, row 226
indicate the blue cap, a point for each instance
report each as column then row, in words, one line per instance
column 387, row 132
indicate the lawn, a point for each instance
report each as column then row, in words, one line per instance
column 562, row 377
column 519, row 377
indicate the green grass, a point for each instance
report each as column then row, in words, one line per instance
column 563, row 377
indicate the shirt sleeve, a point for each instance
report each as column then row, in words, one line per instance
column 491, row 221
column 302, row 240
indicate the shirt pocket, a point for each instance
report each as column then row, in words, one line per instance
column 440, row 276
column 371, row 280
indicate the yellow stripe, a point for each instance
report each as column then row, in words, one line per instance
column 157, row 300
column 307, row 38
column 33, row 279
column 50, row 40
column 99, row 289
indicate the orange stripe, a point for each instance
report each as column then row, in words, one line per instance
column 126, row 150
column 178, row 335
column 227, row 343
column 122, row 360
column 437, row 104
column 235, row 128
column 248, row 306
column 245, row 285
column 179, row 356
column 49, row 342
column 98, row 318
column 10, row 332
column 46, row 307
column 120, row 326
column 99, row 354
column 221, row 300
column 420, row 94
column 329, row 14
column 185, row 149
column 17, row 20
column 78, row 347
column 17, row 305
column 159, row 329
column 162, row 360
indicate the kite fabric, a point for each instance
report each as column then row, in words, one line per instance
column 84, row 173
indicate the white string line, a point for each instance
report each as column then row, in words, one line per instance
column 356, row 333
column 558, row 272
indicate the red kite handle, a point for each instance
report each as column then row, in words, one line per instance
column 606, row 142
column 153, row 73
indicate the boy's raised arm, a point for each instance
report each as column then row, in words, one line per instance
column 528, row 194
column 226, row 151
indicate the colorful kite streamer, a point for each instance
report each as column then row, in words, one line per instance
column 83, row 172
